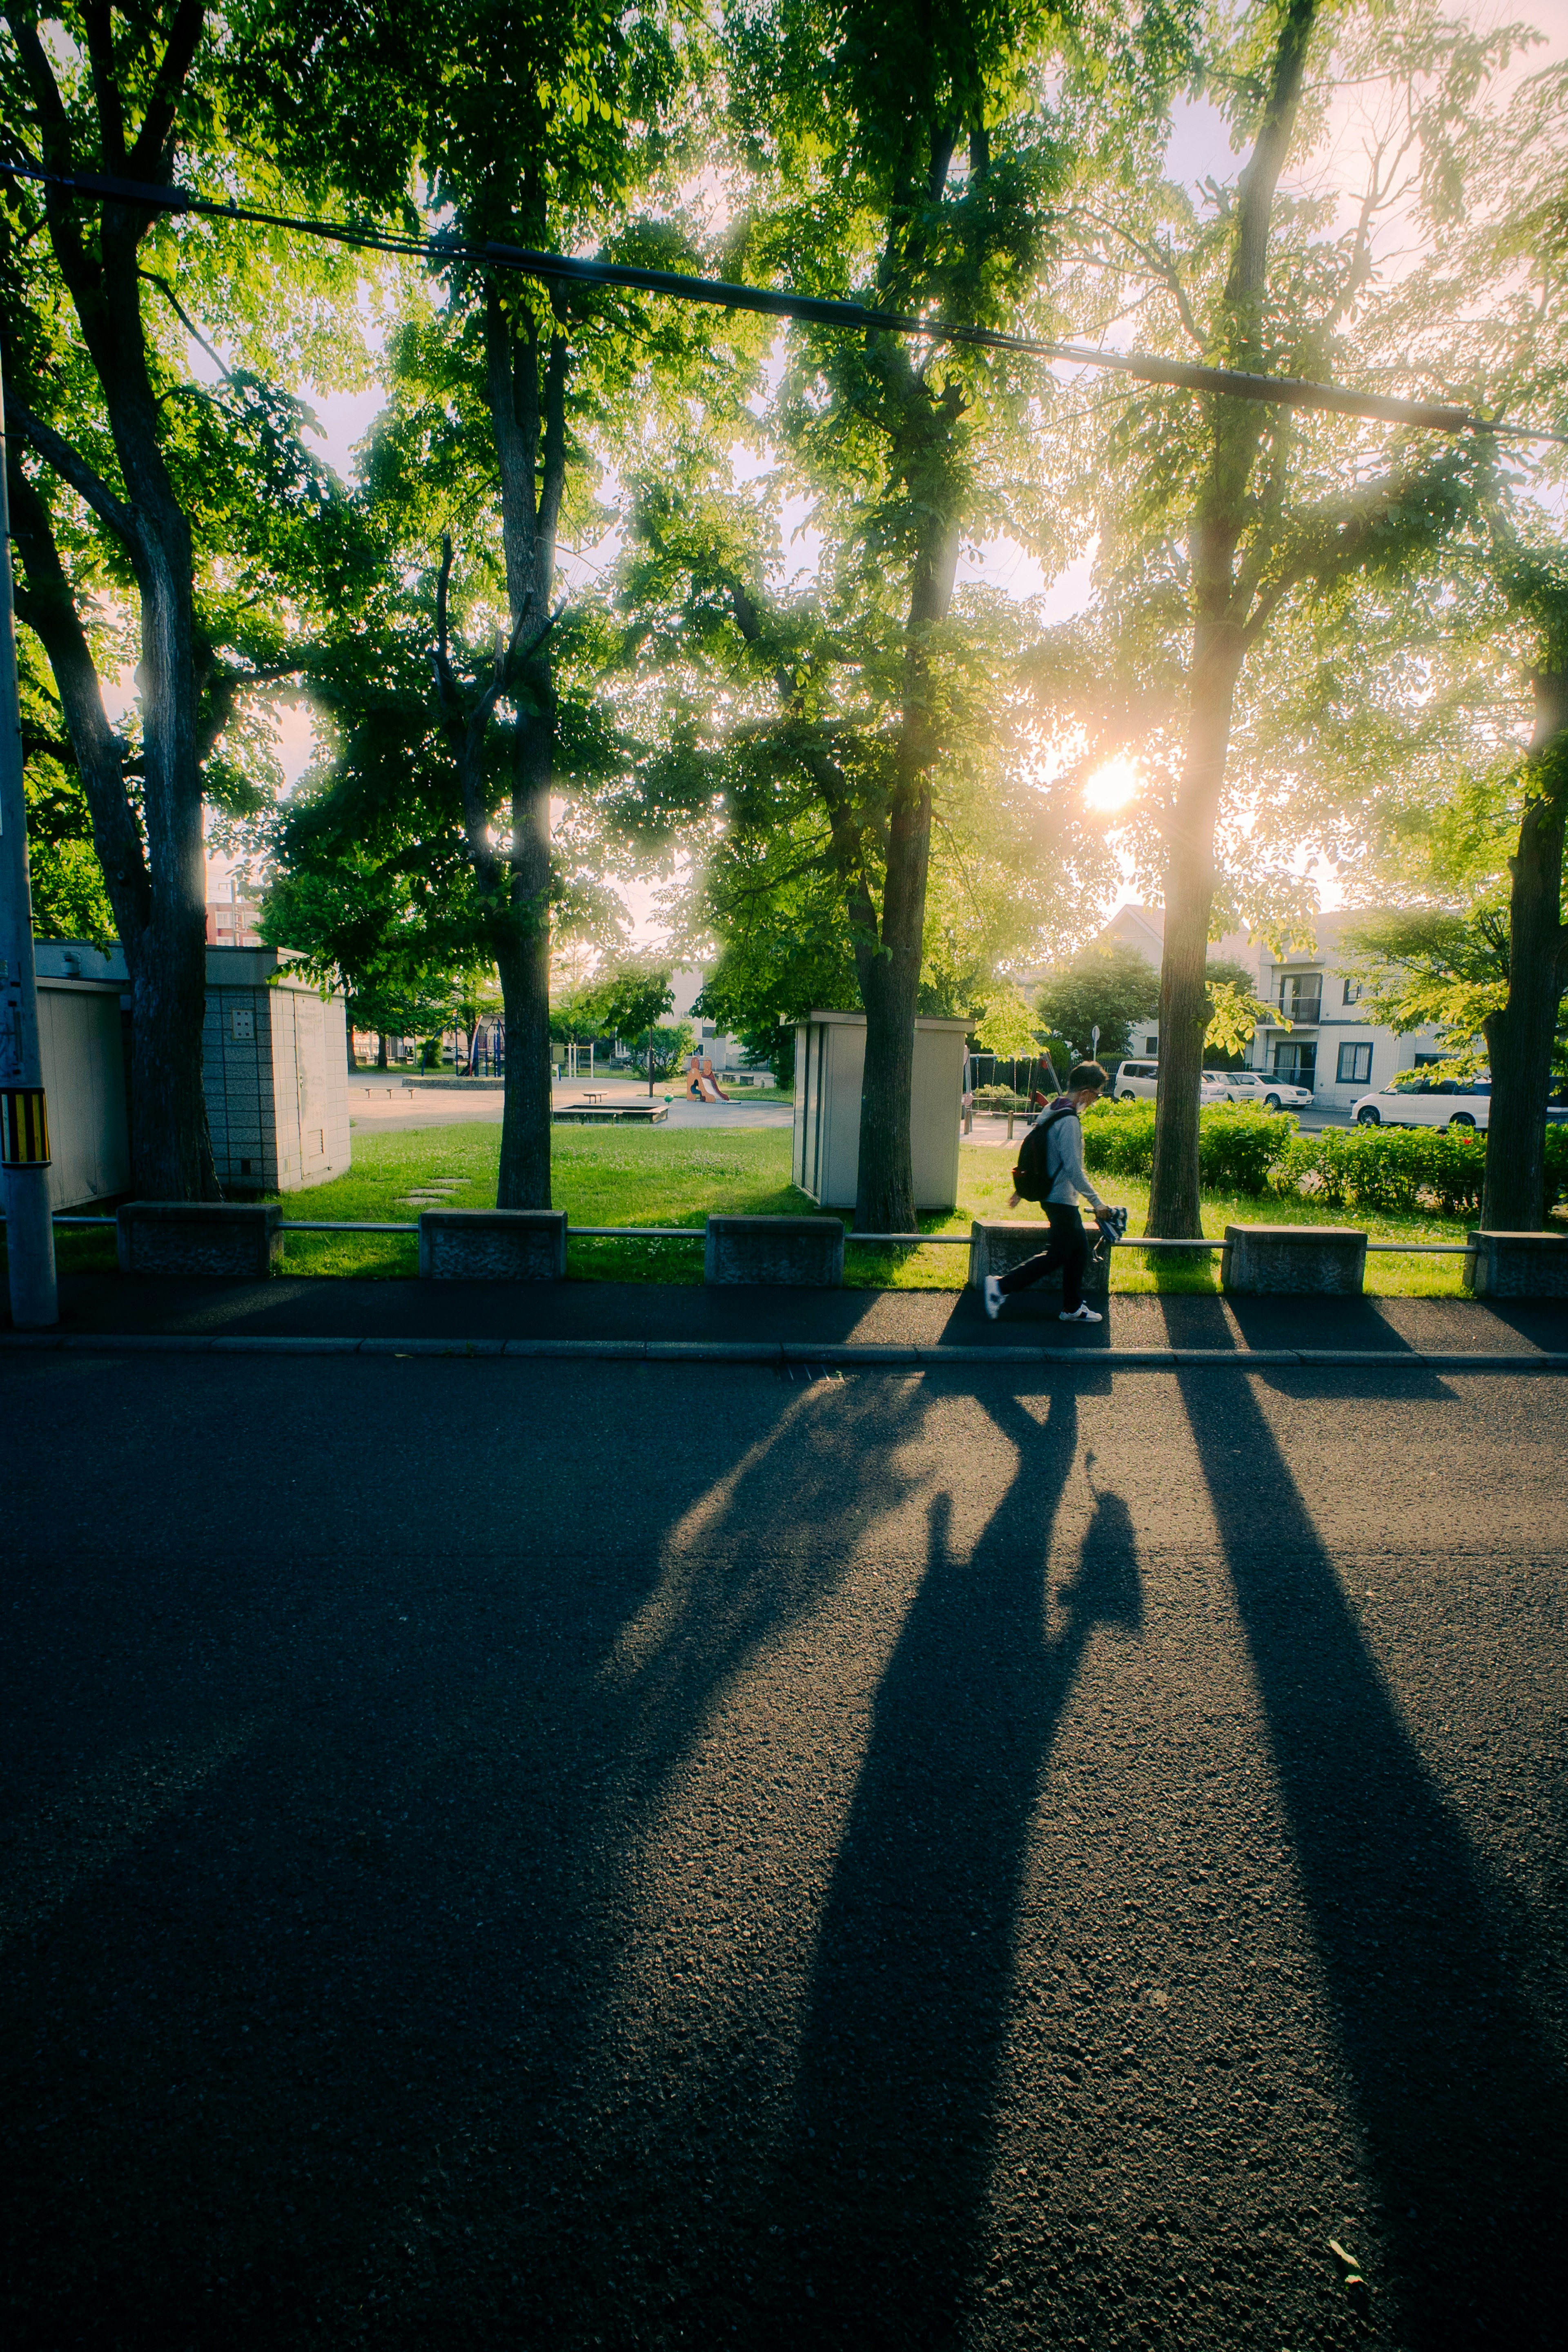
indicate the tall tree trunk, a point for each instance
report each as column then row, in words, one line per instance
column 1223, row 595
column 526, row 389
column 1519, row 1038
column 1174, row 1207
column 890, row 977
column 381, row 1061
column 889, row 967
column 163, row 922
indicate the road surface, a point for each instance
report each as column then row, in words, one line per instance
column 668, row 1855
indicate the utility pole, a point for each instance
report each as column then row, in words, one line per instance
column 23, row 1123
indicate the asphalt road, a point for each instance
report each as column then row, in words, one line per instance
column 503, row 1853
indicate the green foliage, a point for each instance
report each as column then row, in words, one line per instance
column 1006, row 1027
column 1111, row 985
column 631, row 1001
column 1388, row 1171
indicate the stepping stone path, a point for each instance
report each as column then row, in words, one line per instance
column 437, row 1193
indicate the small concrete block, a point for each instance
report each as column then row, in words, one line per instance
column 1273, row 1261
column 996, row 1244
column 230, row 1241
column 804, row 1252
column 1517, row 1266
column 492, row 1244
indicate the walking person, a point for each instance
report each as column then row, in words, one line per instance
column 1051, row 1170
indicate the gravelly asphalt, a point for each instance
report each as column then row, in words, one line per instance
column 504, row 1853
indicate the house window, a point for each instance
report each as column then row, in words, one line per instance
column 1352, row 993
column 1151, row 1044
column 1355, row 1064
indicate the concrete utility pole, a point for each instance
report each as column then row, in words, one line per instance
column 23, row 1123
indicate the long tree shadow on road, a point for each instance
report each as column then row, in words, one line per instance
column 885, row 2183
column 1458, row 2095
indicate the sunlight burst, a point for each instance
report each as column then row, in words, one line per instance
column 1112, row 784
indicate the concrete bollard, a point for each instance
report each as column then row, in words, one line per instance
column 1516, row 1265
column 1271, row 1261
column 228, row 1241
column 996, row 1244
column 804, row 1252
column 492, row 1244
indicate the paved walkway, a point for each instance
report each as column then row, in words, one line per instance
column 322, row 1307
column 380, row 1104
column 508, row 1853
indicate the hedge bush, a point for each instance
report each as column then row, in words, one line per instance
column 1394, row 1169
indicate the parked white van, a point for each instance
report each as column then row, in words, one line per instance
column 1427, row 1102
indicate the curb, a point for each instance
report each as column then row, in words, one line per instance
column 911, row 1356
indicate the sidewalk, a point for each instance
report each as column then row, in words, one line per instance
column 769, row 1319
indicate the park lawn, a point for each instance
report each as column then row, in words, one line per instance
column 627, row 1176
column 630, row 1176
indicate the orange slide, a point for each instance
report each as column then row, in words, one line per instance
column 701, row 1085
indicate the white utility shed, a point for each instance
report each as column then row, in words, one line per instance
column 81, row 1040
column 274, row 1069
column 829, row 1058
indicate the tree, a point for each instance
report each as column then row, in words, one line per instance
column 70, row 901
column 1109, row 986
column 632, row 1003
column 1221, row 519
column 191, row 502
column 536, row 136
column 909, row 154
column 1428, row 967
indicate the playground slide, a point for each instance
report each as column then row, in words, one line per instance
column 709, row 1089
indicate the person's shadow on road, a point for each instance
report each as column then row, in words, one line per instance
column 890, row 2162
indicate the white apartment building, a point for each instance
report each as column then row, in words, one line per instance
column 1328, row 1046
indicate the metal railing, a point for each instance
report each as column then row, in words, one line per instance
column 699, row 1233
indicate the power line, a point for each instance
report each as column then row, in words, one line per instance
column 809, row 309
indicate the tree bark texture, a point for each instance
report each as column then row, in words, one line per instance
column 1228, row 505
column 1519, row 1038
column 158, row 890
column 526, row 387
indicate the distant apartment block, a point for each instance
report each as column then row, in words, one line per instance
column 1328, row 1045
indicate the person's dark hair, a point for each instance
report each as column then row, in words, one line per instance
column 1086, row 1073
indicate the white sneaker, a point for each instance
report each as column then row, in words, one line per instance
column 993, row 1290
column 1080, row 1315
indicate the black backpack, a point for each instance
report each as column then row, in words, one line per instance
column 1032, row 1178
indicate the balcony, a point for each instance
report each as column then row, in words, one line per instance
column 1304, row 1011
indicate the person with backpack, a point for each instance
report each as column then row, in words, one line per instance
column 1051, row 1170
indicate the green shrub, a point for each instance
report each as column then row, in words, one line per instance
column 1556, row 1165
column 1119, row 1139
column 1240, row 1148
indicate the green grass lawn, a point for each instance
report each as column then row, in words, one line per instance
column 630, row 1176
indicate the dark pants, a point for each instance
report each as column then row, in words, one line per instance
column 1068, row 1248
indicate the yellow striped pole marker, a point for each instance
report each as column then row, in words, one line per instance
column 24, row 1127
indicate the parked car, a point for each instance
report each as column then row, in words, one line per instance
column 1140, row 1082
column 1263, row 1087
column 1427, row 1102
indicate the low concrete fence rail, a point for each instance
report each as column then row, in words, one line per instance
column 240, row 1241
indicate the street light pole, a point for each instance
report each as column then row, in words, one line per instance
column 24, row 1125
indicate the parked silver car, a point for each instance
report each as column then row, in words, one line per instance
column 1262, row 1086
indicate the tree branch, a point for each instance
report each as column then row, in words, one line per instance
column 86, row 483
column 49, row 609
column 151, row 277
column 148, row 159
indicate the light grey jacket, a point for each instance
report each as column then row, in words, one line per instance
column 1064, row 1161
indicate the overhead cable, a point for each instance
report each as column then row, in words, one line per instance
column 809, row 309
